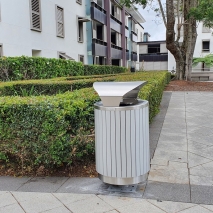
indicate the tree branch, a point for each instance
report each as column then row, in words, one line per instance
column 162, row 12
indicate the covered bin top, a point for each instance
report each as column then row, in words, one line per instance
column 115, row 94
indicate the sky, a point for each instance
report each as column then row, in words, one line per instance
column 154, row 26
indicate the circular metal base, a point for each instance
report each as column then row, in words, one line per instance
column 123, row 181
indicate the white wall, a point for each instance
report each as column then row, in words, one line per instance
column 140, row 30
column 18, row 39
column 160, row 65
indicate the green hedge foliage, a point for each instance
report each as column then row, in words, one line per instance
column 47, row 87
column 53, row 130
column 22, row 68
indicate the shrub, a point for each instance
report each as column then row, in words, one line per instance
column 98, row 69
column 47, row 87
column 22, row 68
column 52, row 130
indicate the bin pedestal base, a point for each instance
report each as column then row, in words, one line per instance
column 123, row 181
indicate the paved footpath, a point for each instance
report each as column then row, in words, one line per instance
column 180, row 179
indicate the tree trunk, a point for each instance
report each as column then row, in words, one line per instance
column 190, row 36
column 171, row 44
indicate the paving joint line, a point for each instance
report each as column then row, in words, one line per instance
column 61, row 203
column 18, row 202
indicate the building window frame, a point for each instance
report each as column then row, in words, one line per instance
column 61, row 21
column 79, row 2
column 80, row 30
column 205, row 50
column 1, row 50
column 80, row 57
column 33, row 13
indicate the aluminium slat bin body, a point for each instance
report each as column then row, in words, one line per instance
column 121, row 133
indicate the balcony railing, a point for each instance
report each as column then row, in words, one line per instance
column 115, row 19
column 153, row 57
column 134, row 56
column 98, row 13
column 134, row 36
column 116, row 47
column 127, row 54
column 93, row 4
column 99, row 47
column 98, row 41
column 116, row 52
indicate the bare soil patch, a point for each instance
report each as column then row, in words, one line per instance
column 177, row 85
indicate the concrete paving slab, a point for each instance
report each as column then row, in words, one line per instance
column 201, row 181
column 208, row 140
column 202, row 194
column 117, row 202
column 171, row 207
column 142, row 207
column 82, row 185
column 6, row 199
column 14, row 208
column 195, row 160
column 12, row 184
column 205, row 152
column 167, row 191
column 176, row 175
column 159, row 162
column 210, row 207
column 33, row 202
column 196, row 209
column 193, row 146
column 67, row 198
column 178, row 156
column 172, row 145
column 61, row 209
column 43, row 184
column 91, row 205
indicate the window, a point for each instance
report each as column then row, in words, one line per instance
column 206, row 45
column 62, row 55
column 80, row 30
column 35, row 14
column 79, row 1
column 96, row 60
column 59, row 21
column 141, row 39
column 153, row 48
column 1, row 50
column 81, row 58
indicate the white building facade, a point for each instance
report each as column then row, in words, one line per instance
column 66, row 29
column 41, row 28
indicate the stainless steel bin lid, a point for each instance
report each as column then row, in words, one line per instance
column 113, row 94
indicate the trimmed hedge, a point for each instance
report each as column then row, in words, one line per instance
column 98, row 70
column 53, row 130
column 23, row 68
column 47, row 87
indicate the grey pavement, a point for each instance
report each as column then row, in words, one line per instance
column 180, row 179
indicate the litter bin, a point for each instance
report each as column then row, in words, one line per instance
column 132, row 69
column 121, row 133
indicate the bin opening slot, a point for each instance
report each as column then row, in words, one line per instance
column 115, row 94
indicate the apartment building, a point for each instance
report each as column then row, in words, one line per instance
column 91, row 31
column 46, row 28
